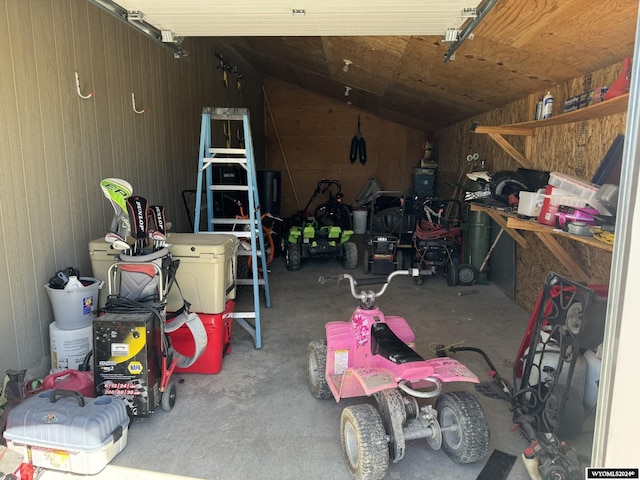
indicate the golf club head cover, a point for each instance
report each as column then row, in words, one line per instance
column 117, row 191
column 159, row 222
column 138, row 214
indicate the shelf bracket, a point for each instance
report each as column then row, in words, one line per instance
column 513, row 153
column 565, row 258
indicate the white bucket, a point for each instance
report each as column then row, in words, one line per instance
column 69, row 347
column 360, row 220
column 75, row 308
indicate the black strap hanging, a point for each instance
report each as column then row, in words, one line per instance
column 358, row 147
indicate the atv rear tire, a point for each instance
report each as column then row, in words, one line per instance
column 364, row 442
column 349, row 255
column 465, row 430
column 317, row 365
column 293, row 256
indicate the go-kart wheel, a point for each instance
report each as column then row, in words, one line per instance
column 366, row 266
column 568, row 423
column 293, row 256
column 317, row 364
column 467, row 274
column 350, row 255
column 168, row 397
column 364, row 442
column 465, row 430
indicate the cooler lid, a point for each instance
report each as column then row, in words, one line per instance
column 196, row 244
column 101, row 245
column 64, row 423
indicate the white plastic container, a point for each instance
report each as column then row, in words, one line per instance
column 62, row 430
column 530, row 203
column 360, row 220
column 584, row 190
column 75, row 307
column 69, row 347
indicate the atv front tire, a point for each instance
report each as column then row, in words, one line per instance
column 317, row 365
column 293, row 256
column 364, row 442
column 465, row 430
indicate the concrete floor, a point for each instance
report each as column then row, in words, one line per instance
column 256, row 419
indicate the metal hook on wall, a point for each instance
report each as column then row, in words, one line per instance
column 89, row 95
column 133, row 103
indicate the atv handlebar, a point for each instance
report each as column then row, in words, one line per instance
column 363, row 296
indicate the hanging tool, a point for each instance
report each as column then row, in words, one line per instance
column 225, row 67
column 358, row 147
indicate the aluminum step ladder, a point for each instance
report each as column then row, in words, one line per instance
column 241, row 158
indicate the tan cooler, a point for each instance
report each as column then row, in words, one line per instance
column 206, row 274
column 102, row 255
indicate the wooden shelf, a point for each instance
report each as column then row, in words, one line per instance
column 511, row 223
column 598, row 110
column 520, row 224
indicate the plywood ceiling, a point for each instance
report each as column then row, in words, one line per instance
column 397, row 52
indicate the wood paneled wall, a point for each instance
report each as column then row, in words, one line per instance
column 309, row 138
column 56, row 147
column 575, row 149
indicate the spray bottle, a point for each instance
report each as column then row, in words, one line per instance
column 547, row 106
column 538, row 115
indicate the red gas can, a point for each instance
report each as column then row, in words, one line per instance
column 71, row 380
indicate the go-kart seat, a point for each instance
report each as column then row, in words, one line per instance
column 386, row 343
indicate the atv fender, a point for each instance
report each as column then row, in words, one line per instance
column 358, row 382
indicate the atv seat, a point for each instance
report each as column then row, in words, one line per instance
column 386, row 343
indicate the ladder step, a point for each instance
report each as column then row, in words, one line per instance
column 231, row 221
column 228, row 151
column 243, row 315
column 225, row 113
column 248, row 281
column 239, row 233
column 229, row 188
column 247, row 253
column 225, row 160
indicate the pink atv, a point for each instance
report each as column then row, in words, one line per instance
column 374, row 355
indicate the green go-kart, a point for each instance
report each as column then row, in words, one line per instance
column 311, row 241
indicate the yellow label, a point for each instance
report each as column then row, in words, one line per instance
column 135, row 368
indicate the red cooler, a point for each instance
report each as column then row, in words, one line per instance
column 218, row 327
